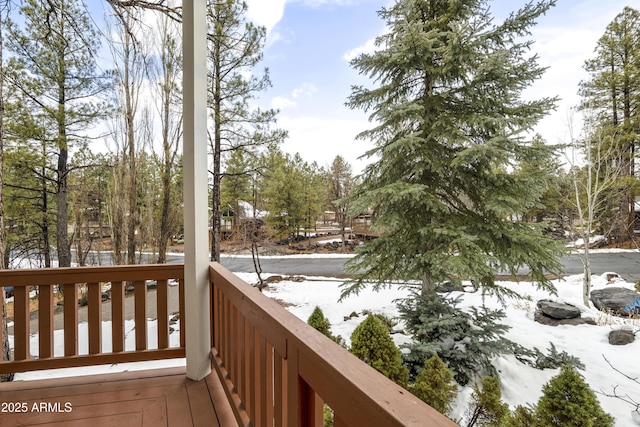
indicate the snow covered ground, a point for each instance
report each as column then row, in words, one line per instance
column 521, row 384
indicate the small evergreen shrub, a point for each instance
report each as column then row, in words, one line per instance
column 552, row 360
column 319, row 322
column 568, row 401
column 486, row 408
column 434, row 385
column 327, row 416
column 521, row 417
column 466, row 342
column 372, row 343
column 385, row 319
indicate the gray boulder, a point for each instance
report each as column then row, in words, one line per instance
column 558, row 310
column 449, row 286
column 613, row 299
column 543, row 319
column 621, row 337
column 553, row 313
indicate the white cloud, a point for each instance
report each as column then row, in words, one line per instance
column 306, row 90
column 318, row 3
column 368, row 47
column 321, row 139
column 266, row 12
column 280, row 103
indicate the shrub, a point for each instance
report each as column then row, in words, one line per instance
column 568, row 401
column 486, row 408
column 372, row 343
column 435, row 386
column 553, row 360
column 466, row 342
column 521, row 417
column 385, row 319
column 319, row 322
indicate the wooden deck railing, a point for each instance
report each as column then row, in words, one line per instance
column 44, row 282
column 278, row 371
column 275, row 369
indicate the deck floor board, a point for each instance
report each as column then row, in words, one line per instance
column 163, row 397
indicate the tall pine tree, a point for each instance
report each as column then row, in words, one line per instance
column 58, row 79
column 613, row 92
column 235, row 48
column 450, row 125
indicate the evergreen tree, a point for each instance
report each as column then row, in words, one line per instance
column 320, row 323
column 313, row 194
column 372, row 343
column 236, row 185
column 5, row 349
column 451, row 123
column 284, row 193
column 466, row 342
column 435, row 386
column 57, row 76
column 521, row 417
column 486, row 408
column 568, row 401
column 235, row 48
column 549, row 172
column 340, row 184
column 612, row 90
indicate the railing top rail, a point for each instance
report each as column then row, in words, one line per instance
column 46, row 276
column 351, row 387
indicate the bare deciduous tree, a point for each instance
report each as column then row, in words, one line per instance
column 593, row 184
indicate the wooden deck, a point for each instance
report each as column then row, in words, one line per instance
column 161, row 397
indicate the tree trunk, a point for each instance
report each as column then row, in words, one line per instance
column 46, row 245
column 131, row 142
column 62, row 171
column 586, row 278
column 62, row 233
column 215, row 191
column 4, row 335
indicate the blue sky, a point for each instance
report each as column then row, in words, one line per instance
column 310, row 41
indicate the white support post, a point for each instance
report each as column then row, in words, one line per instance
column 196, row 260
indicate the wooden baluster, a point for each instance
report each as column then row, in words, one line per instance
column 251, row 401
column 162, row 304
column 293, row 398
column 226, row 322
column 215, row 316
column 94, row 315
column 232, row 367
column 182, row 311
column 45, row 321
column 2, row 309
column 311, row 406
column 241, row 383
column 265, row 383
column 70, row 319
column 279, row 390
column 21, row 322
column 117, row 316
column 140, row 316
column 269, row 385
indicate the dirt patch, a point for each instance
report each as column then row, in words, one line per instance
column 33, row 305
column 285, row 304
